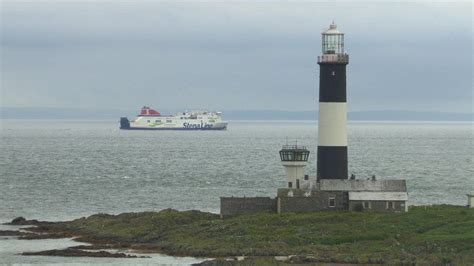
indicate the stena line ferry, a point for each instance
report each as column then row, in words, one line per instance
column 150, row 119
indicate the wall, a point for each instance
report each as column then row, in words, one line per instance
column 363, row 185
column 316, row 202
column 379, row 206
column 234, row 206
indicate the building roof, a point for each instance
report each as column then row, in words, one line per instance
column 384, row 196
column 363, row 185
column 332, row 29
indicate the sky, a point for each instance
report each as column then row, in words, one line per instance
column 234, row 55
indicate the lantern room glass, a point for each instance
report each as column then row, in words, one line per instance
column 333, row 43
column 294, row 155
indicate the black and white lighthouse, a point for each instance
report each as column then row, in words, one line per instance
column 332, row 136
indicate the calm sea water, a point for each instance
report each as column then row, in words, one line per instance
column 59, row 170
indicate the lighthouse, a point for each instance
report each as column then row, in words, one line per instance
column 332, row 136
column 294, row 158
column 332, row 189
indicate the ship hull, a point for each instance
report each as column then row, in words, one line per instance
column 172, row 128
column 154, row 123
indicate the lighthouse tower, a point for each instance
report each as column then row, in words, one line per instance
column 294, row 158
column 332, row 136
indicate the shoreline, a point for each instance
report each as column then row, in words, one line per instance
column 426, row 234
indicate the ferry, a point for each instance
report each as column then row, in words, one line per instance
column 150, row 119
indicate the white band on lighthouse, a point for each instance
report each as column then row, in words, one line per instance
column 332, row 124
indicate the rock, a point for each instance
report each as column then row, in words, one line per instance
column 301, row 259
column 31, row 236
column 22, row 221
column 10, row 233
column 281, row 258
column 18, row 220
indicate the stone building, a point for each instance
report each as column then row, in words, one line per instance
column 326, row 195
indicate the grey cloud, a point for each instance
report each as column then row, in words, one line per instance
column 246, row 55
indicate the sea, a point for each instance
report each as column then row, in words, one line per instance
column 58, row 170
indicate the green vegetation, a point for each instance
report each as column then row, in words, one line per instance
column 426, row 234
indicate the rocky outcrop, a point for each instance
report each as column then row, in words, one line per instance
column 10, row 233
column 23, row 221
column 73, row 252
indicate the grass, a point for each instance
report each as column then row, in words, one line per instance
column 426, row 234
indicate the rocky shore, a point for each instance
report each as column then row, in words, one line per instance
column 74, row 252
column 426, row 234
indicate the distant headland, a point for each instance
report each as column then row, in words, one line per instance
column 373, row 115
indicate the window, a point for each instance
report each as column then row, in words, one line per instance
column 148, row 121
column 169, row 121
column 332, row 201
column 157, row 121
column 298, row 156
column 366, row 204
column 390, row 205
column 290, row 184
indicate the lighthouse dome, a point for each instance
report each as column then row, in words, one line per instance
column 332, row 29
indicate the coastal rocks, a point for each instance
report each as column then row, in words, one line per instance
column 38, row 230
column 73, row 252
column 22, row 234
column 31, row 235
column 23, row 221
column 240, row 261
column 39, row 235
column 288, row 260
column 10, row 233
column 303, row 259
column 18, row 221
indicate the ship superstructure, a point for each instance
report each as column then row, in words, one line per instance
column 150, row 119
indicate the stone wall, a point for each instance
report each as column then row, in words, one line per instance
column 363, row 185
column 377, row 206
column 316, row 202
column 234, row 206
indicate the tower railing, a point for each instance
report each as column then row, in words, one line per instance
column 293, row 147
column 333, row 58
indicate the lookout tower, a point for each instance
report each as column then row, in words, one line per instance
column 332, row 136
column 294, row 158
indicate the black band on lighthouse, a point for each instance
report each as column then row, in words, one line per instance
column 332, row 82
column 332, row 162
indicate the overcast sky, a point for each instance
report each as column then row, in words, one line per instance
column 233, row 55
